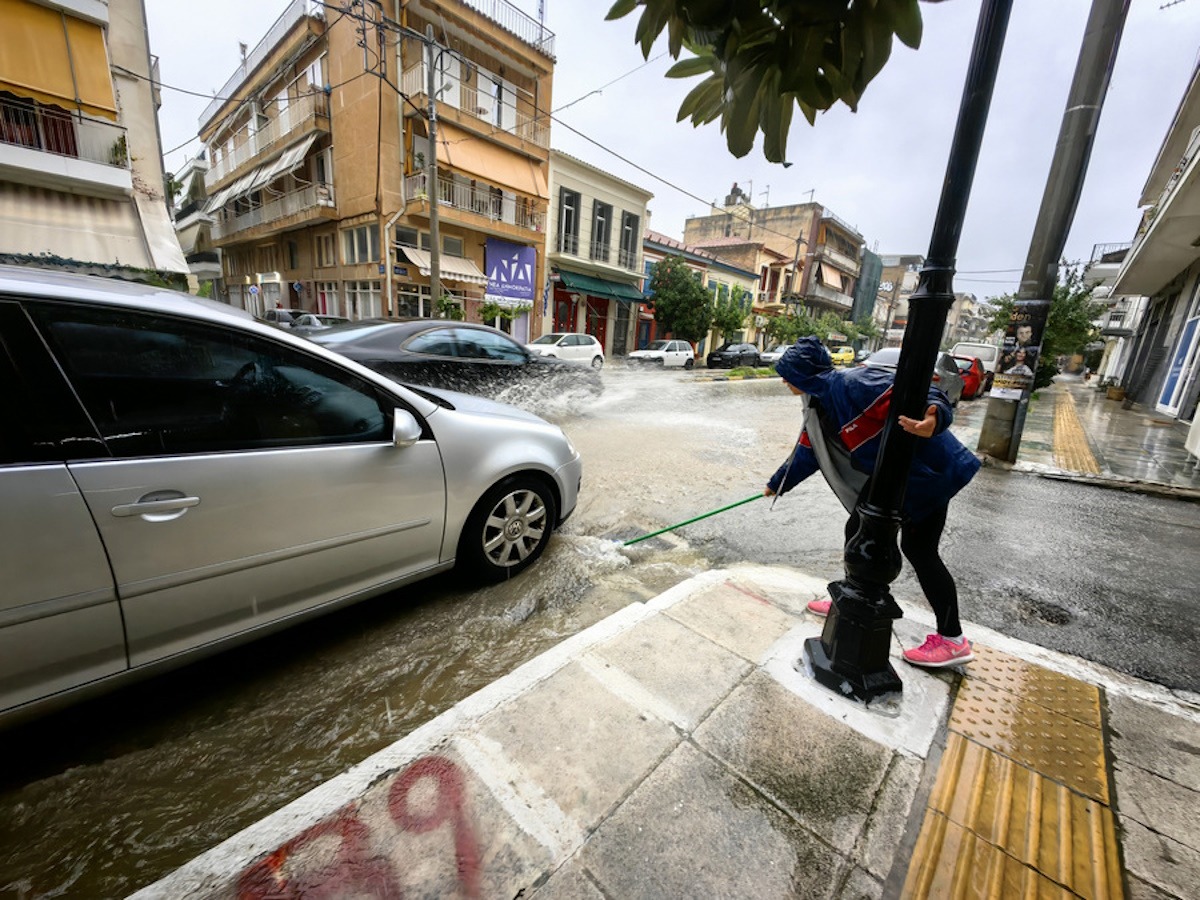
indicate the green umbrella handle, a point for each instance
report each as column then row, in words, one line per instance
column 690, row 521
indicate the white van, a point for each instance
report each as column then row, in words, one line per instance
column 988, row 354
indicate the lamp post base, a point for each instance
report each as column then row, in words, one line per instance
column 852, row 655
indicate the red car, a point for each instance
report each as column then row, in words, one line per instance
column 974, row 376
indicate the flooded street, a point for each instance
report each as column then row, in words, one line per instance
column 107, row 797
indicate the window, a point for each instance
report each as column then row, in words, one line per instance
column 602, row 214
column 568, row 221
column 631, row 236
column 362, row 299
column 360, row 245
column 323, row 251
column 155, row 385
column 293, row 253
column 453, row 246
column 407, row 237
column 267, row 258
column 487, row 345
column 327, row 298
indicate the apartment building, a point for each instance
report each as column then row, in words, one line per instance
column 325, row 191
column 595, row 253
column 825, row 252
column 898, row 278
column 81, row 182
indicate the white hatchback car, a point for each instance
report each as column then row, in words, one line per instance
column 571, row 346
column 176, row 478
column 668, row 354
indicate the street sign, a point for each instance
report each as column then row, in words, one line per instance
column 254, row 290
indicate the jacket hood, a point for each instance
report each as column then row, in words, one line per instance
column 806, row 365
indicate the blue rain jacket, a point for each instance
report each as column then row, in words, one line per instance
column 856, row 404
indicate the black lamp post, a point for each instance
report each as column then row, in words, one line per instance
column 851, row 656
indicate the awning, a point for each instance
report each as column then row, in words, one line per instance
column 831, row 277
column 36, row 221
column 478, row 157
column 44, row 46
column 263, row 175
column 450, row 268
column 601, row 287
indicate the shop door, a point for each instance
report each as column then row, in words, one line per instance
column 621, row 330
column 564, row 314
column 597, row 319
column 645, row 327
column 1182, row 369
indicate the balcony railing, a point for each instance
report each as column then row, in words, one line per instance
column 300, row 116
column 513, row 20
column 61, row 133
column 841, row 260
column 627, row 259
column 829, row 295
column 482, row 106
column 295, row 11
column 599, row 251
column 1109, row 253
column 311, row 197
column 478, row 199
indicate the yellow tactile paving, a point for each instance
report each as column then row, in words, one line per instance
column 1062, row 834
column 952, row 862
column 1071, row 450
column 1020, row 807
column 1037, row 684
column 1057, row 747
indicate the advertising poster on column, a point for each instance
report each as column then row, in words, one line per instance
column 1021, row 349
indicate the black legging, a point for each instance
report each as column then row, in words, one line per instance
column 919, row 544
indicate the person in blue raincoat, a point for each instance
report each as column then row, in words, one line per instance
column 848, row 409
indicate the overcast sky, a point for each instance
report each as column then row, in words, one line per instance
column 880, row 169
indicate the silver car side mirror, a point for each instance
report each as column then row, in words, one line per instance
column 406, row 430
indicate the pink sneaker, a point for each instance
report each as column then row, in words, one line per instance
column 938, row 652
column 820, row 607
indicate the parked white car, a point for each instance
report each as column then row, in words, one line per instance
column 668, row 354
column 570, row 346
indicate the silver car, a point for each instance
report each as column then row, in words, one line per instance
column 149, row 469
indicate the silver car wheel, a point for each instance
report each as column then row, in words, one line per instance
column 514, row 528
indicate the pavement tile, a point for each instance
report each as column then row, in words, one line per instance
column 1159, row 861
column 563, row 733
column 694, row 829
column 889, row 820
column 1154, row 740
column 1061, row 693
column 684, row 670
column 822, row 771
column 738, row 618
column 568, row 883
column 432, row 829
column 1160, row 804
column 860, row 886
column 1140, row 890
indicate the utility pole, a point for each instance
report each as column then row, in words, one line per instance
column 1004, row 422
column 431, row 176
column 851, row 656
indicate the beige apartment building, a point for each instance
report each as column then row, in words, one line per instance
column 320, row 181
column 81, row 182
column 823, row 252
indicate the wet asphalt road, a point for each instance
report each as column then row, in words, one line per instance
column 109, row 796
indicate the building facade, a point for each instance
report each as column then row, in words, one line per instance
column 81, row 181
column 1163, row 265
column 898, row 278
column 823, row 251
column 595, row 254
column 325, row 191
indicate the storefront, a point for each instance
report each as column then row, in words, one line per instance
column 605, row 309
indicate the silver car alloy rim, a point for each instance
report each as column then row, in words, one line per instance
column 514, row 528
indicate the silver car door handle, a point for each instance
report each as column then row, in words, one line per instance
column 150, row 507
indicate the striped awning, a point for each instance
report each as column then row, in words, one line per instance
column 35, row 220
column 450, row 268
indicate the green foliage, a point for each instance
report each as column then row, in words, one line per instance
column 761, row 59
column 447, row 308
column 205, row 290
column 1069, row 325
column 489, row 312
column 867, row 329
column 728, row 312
column 681, row 306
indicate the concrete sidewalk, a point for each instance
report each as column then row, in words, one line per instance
column 676, row 750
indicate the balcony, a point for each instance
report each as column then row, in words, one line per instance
column 516, row 22
column 479, row 201
column 847, row 264
column 302, row 116
column 829, row 296
column 295, row 12
column 477, row 105
column 50, row 147
column 297, row 207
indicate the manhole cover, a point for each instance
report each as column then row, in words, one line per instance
column 1044, row 611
